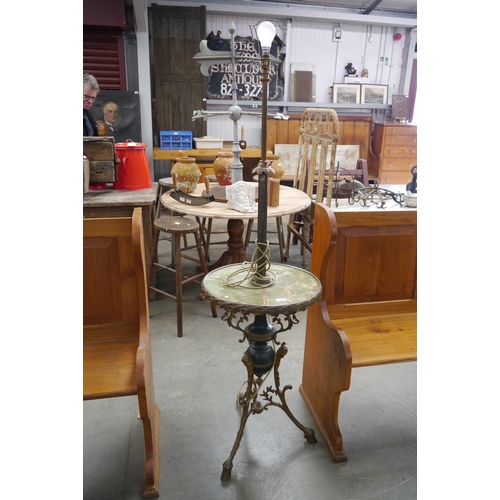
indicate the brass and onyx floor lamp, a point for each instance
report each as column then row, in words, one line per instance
column 272, row 293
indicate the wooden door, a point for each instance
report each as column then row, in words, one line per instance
column 179, row 85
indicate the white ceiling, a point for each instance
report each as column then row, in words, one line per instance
column 400, row 7
column 400, row 13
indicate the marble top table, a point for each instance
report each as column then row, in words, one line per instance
column 294, row 289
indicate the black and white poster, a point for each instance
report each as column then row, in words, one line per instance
column 248, row 70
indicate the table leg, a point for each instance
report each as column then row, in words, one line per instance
column 235, row 254
column 259, row 359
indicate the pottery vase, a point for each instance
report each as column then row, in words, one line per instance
column 277, row 166
column 273, row 192
column 186, row 173
column 223, row 167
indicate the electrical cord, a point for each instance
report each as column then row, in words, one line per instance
column 251, row 270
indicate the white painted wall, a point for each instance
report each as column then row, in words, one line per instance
column 311, row 42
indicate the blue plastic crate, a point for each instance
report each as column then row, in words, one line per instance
column 176, row 139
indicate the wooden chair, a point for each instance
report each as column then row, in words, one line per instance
column 347, row 182
column 319, row 131
column 360, row 173
column 116, row 340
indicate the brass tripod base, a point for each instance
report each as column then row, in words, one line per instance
column 251, row 405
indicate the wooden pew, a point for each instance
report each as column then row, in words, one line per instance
column 367, row 315
column 116, row 343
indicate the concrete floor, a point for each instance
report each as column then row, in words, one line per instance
column 197, row 378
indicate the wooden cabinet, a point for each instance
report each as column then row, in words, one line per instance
column 352, row 130
column 395, row 149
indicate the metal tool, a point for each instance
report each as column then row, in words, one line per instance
column 189, row 199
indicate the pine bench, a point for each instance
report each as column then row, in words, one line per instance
column 117, row 358
column 367, row 315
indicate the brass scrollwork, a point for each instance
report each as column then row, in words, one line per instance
column 291, row 320
column 231, row 318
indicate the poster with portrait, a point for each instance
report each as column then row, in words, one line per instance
column 117, row 114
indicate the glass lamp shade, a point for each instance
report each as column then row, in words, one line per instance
column 265, row 33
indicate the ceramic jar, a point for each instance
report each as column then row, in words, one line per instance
column 223, row 167
column 277, row 166
column 187, row 174
column 410, row 199
column 273, row 192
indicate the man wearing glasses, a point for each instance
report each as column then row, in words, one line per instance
column 90, row 91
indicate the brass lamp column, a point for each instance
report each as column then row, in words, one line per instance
column 266, row 33
column 261, row 331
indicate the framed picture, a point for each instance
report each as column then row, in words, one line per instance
column 399, row 106
column 346, row 156
column 289, row 154
column 346, row 93
column 119, row 112
column 373, row 94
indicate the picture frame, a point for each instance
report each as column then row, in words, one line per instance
column 346, row 93
column 399, row 107
column 289, row 155
column 346, row 156
column 374, row 94
column 128, row 105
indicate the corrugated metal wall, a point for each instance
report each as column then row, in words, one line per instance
column 103, row 57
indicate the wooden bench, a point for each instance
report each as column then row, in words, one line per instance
column 116, row 339
column 367, row 315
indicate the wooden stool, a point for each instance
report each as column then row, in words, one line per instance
column 206, row 235
column 163, row 186
column 177, row 227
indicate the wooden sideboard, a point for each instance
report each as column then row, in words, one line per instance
column 389, row 148
column 206, row 157
column 395, row 150
column 201, row 155
column 352, row 130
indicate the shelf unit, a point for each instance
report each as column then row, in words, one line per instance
column 376, row 111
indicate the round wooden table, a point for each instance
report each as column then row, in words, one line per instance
column 291, row 201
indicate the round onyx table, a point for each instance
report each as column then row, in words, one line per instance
column 232, row 289
column 291, row 201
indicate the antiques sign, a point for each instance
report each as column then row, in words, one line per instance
column 248, row 71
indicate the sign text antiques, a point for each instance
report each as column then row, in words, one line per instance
column 247, row 69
